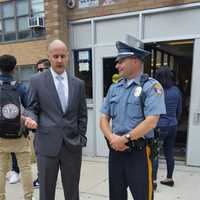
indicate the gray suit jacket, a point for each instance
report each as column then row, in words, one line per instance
column 54, row 126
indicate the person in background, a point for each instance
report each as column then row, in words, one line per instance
column 42, row 65
column 130, row 163
column 167, row 124
column 13, row 175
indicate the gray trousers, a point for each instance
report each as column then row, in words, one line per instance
column 69, row 164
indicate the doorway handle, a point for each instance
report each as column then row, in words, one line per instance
column 196, row 119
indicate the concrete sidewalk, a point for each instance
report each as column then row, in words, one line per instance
column 94, row 183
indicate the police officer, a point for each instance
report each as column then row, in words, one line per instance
column 130, row 162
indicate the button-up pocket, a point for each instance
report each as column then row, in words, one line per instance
column 113, row 105
column 134, row 107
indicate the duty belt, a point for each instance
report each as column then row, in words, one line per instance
column 136, row 145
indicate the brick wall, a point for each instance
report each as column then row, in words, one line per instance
column 26, row 52
column 122, row 6
column 55, row 20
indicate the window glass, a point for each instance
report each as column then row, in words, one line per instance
column 22, row 7
column 26, row 73
column 158, row 59
column 171, row 61
column 9, row 25
column 83, row 68
column 37, row 6
column 23, row 23
column 23, row 73
column 38, row 33
column 8, row 10
column 0, row 26
column 37, row 1
column 24, row 34
column 39, row 15
column 14, row 19
column 0, row 11
column 165, row 63
column 10, row 36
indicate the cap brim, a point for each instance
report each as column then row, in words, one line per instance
column 120, row 57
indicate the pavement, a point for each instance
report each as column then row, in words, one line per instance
column 94, row 182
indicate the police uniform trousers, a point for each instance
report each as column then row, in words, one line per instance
column 133, row 170
column 21, row 147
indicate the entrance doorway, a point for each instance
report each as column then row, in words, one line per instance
column 178, row 55
column 109, row 71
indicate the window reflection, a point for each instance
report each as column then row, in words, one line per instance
column 14, row 19
column 22, row 8
column 8, row 9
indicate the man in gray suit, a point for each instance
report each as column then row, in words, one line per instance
column 57, row 109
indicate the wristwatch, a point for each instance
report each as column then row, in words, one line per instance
column 128, row 137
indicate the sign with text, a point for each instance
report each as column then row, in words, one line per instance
column 88, row 3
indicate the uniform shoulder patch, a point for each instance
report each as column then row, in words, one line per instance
column 158, row 88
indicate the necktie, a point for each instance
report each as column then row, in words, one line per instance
column 61, row 92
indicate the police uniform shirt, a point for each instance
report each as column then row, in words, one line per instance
column 123, row 105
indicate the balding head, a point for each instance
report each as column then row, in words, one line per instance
column 58, row 55
column 56, row 44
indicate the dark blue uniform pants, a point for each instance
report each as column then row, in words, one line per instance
column 133, row 170
column 167, row 137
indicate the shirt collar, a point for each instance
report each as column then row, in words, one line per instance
column 128, row 83
column 54, row 74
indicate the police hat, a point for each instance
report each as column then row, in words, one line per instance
column 132, row 47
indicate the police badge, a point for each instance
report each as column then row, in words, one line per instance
column 137, row 91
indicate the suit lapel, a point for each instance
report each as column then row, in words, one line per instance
column 71, row 88
column 51, row 89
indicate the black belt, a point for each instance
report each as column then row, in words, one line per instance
column 136, row 145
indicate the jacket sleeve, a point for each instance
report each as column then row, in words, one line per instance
column 82, row 114
column 32, row 108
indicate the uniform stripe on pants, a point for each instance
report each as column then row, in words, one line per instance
column 150, row 175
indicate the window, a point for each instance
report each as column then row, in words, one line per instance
column 83, row 68
column 14, row 19
column 23, row 73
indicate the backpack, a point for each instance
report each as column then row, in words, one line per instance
column 10, row 110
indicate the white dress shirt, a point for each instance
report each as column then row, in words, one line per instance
column 64, row 81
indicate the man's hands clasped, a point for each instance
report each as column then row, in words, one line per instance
column 118, row 143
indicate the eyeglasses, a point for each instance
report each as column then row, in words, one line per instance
column 41, row 69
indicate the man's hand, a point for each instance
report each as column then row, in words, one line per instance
column 118, row 142
column 29, row 123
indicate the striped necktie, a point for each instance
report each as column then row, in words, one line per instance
column 61, row 92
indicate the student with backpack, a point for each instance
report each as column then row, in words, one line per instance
column 13, row 175
column 12, row 133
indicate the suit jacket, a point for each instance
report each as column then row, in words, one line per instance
column 54, row 125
